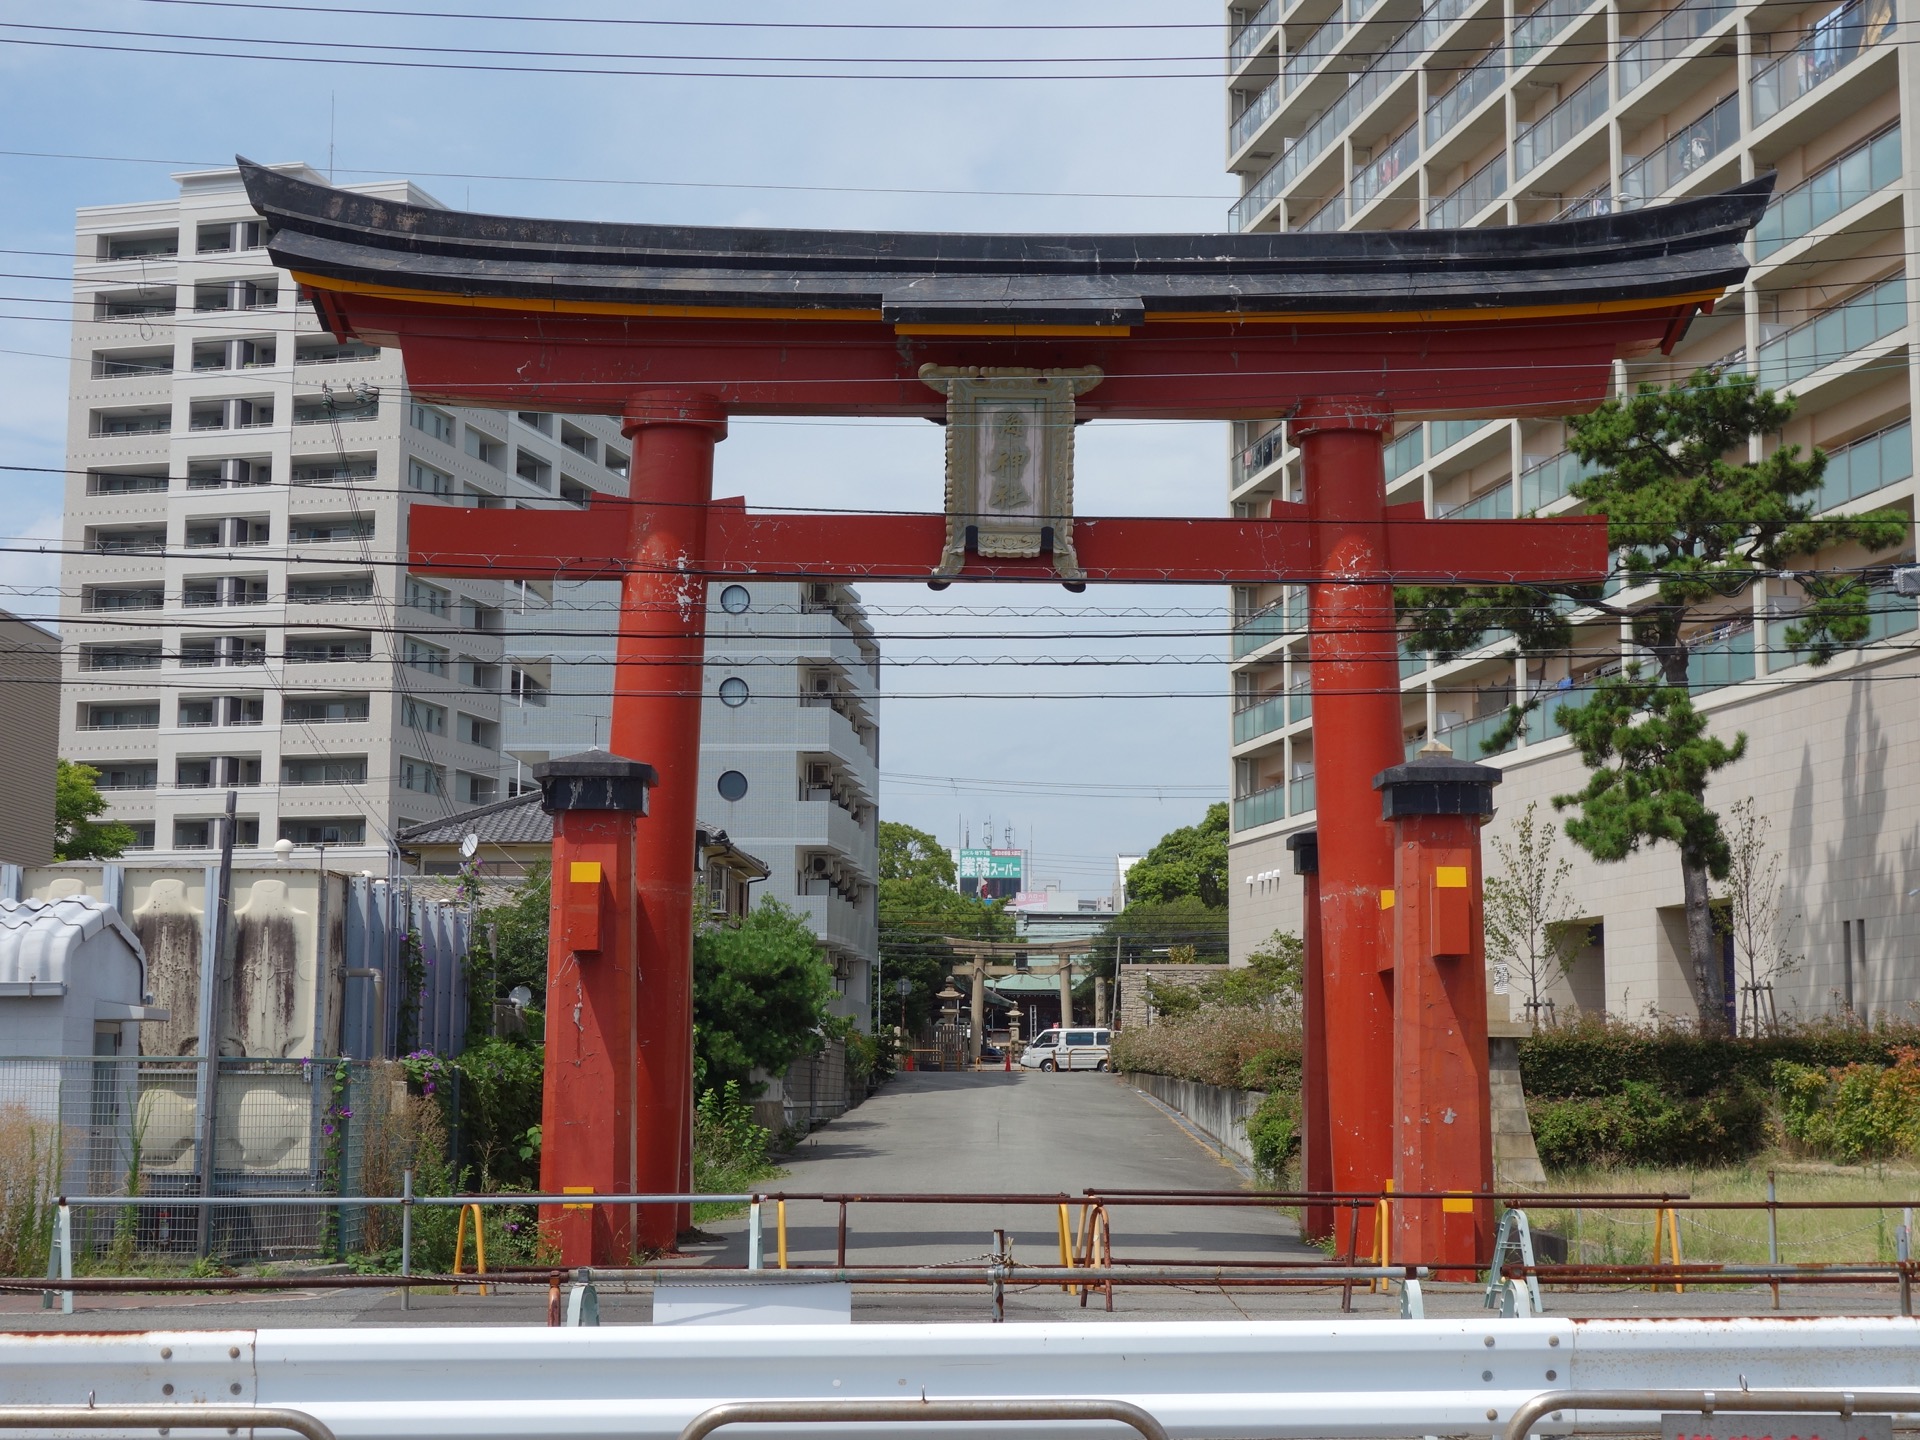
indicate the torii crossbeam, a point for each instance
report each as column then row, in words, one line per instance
column 675, row 329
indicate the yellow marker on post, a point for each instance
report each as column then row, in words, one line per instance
column 584, row 872
column 1386, row 899
column 576, row 1190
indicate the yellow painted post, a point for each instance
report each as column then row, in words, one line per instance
column 780, row 1219
column 1066, row 1247
column 479, row 1242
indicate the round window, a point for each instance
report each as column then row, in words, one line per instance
column 736, row 600
column 733, row 691
column 733, row 785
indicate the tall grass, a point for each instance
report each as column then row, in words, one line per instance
column 29, row 1182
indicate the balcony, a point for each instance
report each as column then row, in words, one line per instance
column 1300, row 793
column 1262, row 717
column 349, row 409
column 1307, row 59
column 1443, row 435
column 1405, row 454
column 1888, row 615
column 1250, row 36
column 330, row 530
column 1330, row 216
column 112, row 423
column 1694, row 148
column 1467, row 738
column 1392, row 66
column 1546, row 481
column 1834, row 42
column 1250, row 119
column 1642, row 57
column 1862, row 171
column 1872, row 315
column 1868, row 464
column 1261, row 628
column 1495, row 504
column 1473, row 87
column 1394, row 159
column 1261, row 807
column 1536, row 31
column 1726, row 658
column 99, row 602
column 1473, row 195
column 129, row 542
column 1597, row 201
column 1542, row 139
column 1262, row 452
column 108, row 366
column 119, row 657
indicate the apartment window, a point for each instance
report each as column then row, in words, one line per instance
column 142, row 716
column 476, row 789
column 334, row 589
column 120, row 657
column 430, row 598
column 329, row 770
column 255, row 353
column 126, row 482
column 324, row 832
column 138, row 247
column 572, row 491
column 324, row 709
column 430, row 421
column 140, row 420
column 327, row 649
column 325, row 350
column 205, row 834
column 126, row 777
column 534, row 420
column 123, row 597
column 427, row 479
column 532, row 469
column 329, row 529
column 142, row 834
column 418, row 775
column 233, row 531
column 475, row 731
column 122, row 364
column 132, row 304
column 223, row 236
column 418, row 715
column 479, row 674
column 335, row 472
column 236, row 295
column 199, row 711
column 224, row 590
column 527, row 689
column 483, row 499
column 202, row 652
column 121, row 540
column 578, row 441
column 422, row 656
column 484, row 448
column 345, row 406
column 215, row 772
column 482, row 618
column 226, row 474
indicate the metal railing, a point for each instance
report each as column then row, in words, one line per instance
column 1330, row 216
column 1249, row 37
column 1394, row 159
column 1473, row 195
column 1534, row 32
column 1540, row 140
column 1868, row 168
column 1650, row 51
column 1863, row 319
column 1548, row 480
column 1494, row 504
column 1832, row 43
column 1322, row 43
column 1694, row 148
column 1870, row 463
column 1263, row 452
column 1405, row 454
column 1472, row 88
column 1250, row 119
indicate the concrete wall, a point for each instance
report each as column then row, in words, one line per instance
column 1219, row 1113
column 30, row 720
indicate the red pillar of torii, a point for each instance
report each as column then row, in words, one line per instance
column 677, row 329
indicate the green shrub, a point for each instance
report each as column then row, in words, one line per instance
column 1642, row 1126
column 729, row 1149
column 1853, row 1112
column 1237, row 1049
column 1273, row 1132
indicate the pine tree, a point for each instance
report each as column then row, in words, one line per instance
column 1691, row 529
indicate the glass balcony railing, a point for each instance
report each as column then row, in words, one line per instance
column 1254, row 116
column 1833, row 42
column 1867, row 168
column 1262, row 717
column 1392, row 66
column 1466, row 739
column 1597, row 201
column 1548, row 480
column 1304, row 61
column 1648, row 52
column 1405, row 454
column 1888, row 615
column 1262, row 627
column 1496, row 504
column 1544, row 723
column 1533, row 33
column 1248, row 37
column 1300, row 794
column 1726, row 659
column 1692, row 149
column 1868, row 464
column 1870, row 316
column 1299, row 704
column 1473, row 87
column 1445, row 434
column 1330, row 216
column 1546, row 137
column 1297, row 609
column 1262, row 807
column 1411, row 665
column 1392, row 161
column 1473, row 195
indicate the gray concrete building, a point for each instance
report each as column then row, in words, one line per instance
column 235, row 607
column 1378, row 114
column 790, row 738
column 30, row 721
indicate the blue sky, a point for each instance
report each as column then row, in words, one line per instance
column 1113, row 154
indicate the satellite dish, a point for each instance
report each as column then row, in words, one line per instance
column 520, row 996
column 469, row 843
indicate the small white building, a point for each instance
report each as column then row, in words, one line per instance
column 73, row 979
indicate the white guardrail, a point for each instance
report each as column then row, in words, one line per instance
column 1346, row 1377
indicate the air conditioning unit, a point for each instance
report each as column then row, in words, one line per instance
column 819, row 775
column 819, row 864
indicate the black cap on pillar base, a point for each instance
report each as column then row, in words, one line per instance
column 594, row 780
column 1435, row 783
column 1305, row 845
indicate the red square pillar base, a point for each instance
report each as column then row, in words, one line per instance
column 1443, row 1110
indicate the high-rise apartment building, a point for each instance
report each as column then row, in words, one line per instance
column 1345, row 114
column 236, row 610
column 790, row 737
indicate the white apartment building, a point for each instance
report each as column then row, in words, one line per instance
column 1377, row 114
column 236, row 611
column 789, row 741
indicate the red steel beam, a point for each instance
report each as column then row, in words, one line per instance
column 596, row 543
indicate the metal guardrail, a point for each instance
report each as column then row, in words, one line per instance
column 163, row 1418
column 848, row 1412
column 1845, row 1403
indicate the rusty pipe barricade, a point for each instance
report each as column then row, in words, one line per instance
column 163, row 1418
column 850, row 1412
column 1844, row 1403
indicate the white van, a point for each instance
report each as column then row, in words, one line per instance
column 1068, row 1050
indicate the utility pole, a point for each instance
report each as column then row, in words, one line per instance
column 213, row 954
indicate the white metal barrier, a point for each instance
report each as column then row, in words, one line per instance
column 1345, row 1377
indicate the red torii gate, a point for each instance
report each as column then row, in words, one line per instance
column 675, row 329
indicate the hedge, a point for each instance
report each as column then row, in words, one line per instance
column 1237, row 1049
column 1643, row 1126
column 1590, row 1058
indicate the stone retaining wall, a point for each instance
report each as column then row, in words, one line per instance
column 1219, row 1113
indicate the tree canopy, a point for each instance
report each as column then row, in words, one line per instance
column 762, row 996
column 1692, row 530
column 919, row 907
column 1190, row 861
column 78, row 834
column 519, row 935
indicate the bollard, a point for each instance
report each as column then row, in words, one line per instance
column 406, row 1237
column 60, row 1258
column 1773, row 1235
column 780, row 1225
column 754, row 1258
